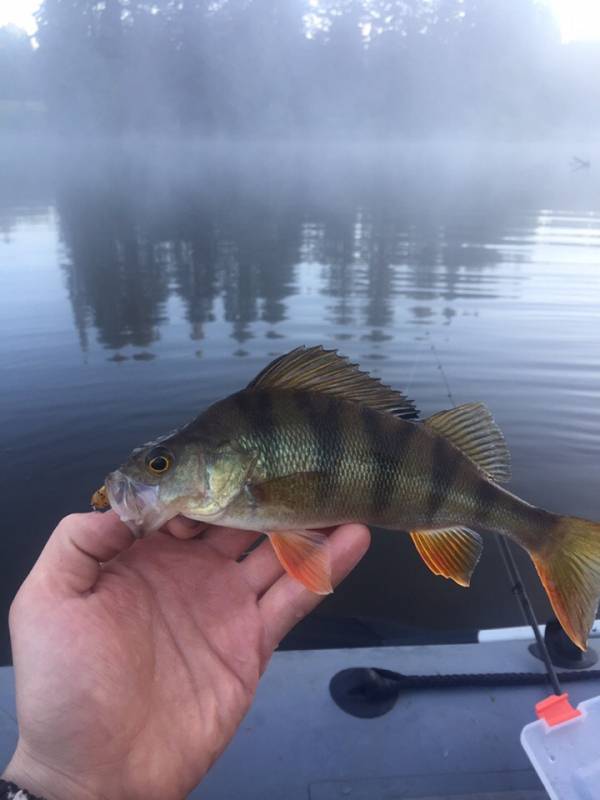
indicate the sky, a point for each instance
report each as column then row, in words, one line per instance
column 20, row 13
column 579, row 20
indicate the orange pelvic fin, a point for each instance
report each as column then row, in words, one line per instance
column 305, row 556
column 453, row 553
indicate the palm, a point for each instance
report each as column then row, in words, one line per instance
column 148, row 654
column 163, row 657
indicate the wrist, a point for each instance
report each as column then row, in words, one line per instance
column 45, row 782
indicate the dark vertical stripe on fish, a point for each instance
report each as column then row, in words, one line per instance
column 444, row 468
column 380, row 491
column 256, row 409
column 304, row 408
column 323, row 415
column 485, row 500
column 331, row 449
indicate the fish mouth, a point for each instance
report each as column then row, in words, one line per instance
column 136, row 503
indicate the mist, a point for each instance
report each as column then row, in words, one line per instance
column 189, row 189
column 299, row 70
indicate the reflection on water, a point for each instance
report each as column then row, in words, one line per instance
column 240, row 250
column 132, row 287
column 237, row 243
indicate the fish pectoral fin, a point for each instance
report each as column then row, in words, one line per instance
column 472, row 430
column 284, row 490
column 453, row 552
column 305, row 556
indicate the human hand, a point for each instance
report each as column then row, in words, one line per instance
column 132, row 677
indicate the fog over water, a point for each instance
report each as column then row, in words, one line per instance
column 300, row 69
column 189, row 189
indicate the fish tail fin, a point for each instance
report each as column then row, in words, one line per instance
column 568, row 563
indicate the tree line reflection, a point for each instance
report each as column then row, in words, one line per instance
column 238, row 244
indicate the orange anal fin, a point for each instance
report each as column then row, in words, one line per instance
column 305, row 556
column 452, row 553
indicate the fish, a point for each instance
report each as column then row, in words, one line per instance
column 314, row 442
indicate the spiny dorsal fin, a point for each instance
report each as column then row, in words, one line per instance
column 453, row 553
column 472, row 429
column 318, row 370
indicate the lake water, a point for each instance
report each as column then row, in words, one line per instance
column 139, row 285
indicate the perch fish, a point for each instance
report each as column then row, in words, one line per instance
column 313, row 441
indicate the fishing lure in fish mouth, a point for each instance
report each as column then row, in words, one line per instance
column 313, row 442
column 100, row 499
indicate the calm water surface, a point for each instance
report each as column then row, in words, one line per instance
column 137, row 289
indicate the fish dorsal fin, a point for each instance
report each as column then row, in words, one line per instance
column 472, row 429
column 318, row 370
column 453, row 553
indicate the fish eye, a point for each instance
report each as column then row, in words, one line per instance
column 159, row 460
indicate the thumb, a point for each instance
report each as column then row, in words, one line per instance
column 71, row 559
